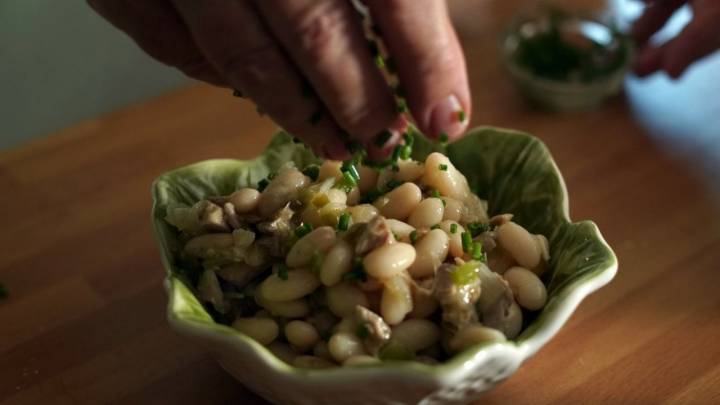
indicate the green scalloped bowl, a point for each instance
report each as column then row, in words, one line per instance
column 512, row 170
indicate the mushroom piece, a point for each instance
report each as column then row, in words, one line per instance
column 496, row 305
column 231, row 217
column 212, row 218
column 209, row 291
column 378, row 331
column 375, row 234
column 456, row 299
column 278, row 232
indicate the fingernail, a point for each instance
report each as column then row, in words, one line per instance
column 448, row 117
column 335, row 150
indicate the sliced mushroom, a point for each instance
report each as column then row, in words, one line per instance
column 212, row 218
column 209, row 291
column 278, row 232
column 378, row 330
column 375, row 234
column 231, row 217
column 496, row 303
column 457, row 301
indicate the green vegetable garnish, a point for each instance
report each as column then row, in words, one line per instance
column 262, row 184
column 357, row 272
column 393, row 184
column 303, row 229
column 379, row 61
column 435, row 194
column 405, row 152
column 344, row 221
column 401, row 106
column 476, row 228
column 477, row 251
column 453, row 228
column 461, row 116
column 396, row 153
column 312, row 171
column 413, row 237
column 444, row 137
column 436, row 226
column 382, row 138
column 465, row 274
column 409, row 139
column 350, row 168
column 466, row 241
column 443, row 167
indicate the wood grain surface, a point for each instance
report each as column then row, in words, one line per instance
column 84, row 320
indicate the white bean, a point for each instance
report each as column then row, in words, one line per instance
column 263, row 330
column 311, row 215
column 338, row 261
column 416, row 334
column 428, row 213
column 513, row 322
column 407, row 170
column 432, row 250
column 312, row 362
column 287, row 309
column 361, row 360
column 245, row 200
column 299, row 283
column 362, row 213
column 400, row 229
column 319, row 240
column 301, row 335
column 521, row 245
column 337, row 196
column 343, row 345
column 368, row 178
column 453, row 209
column 347, row 325
column 472, row 335
column 328, row 169
column 454, row 238
column 449, row 182
column 527, row 288
column 396, row 301
column 400, row 202
column 353, row 198
column 424, row 304
column 282, row 189
column 389, row 260
column 343, row 297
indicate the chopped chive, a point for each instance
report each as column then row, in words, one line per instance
column 312, row 171
column 436, row 226
column 262, row 184
column 396, row 153
column 443, row 167
column 476, row 228
column 357, row 272
column 453, row 228
column 316, row 117
column 396, row 236
column 349, row 167
column 282, row 271
column 443, row 202
column 405, row 152
column 399, row 90
column 238, row 93
column 393, row 184
column 466, row 241
column 401, row 106
column 409, row 139
column 350, row 179
column 272, row 175
column 413, row 236
column 344, row 221
column 476, row 251
column 303, row 229
column 382, row 138
column 435, row 194
column 444, row 137
column 461, row 116
column 379, row 61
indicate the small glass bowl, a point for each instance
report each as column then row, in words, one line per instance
column 567, row 95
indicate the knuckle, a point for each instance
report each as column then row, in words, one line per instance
column 319, row 24
column 253, row 64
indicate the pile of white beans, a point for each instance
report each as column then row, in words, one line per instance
column 365, row 291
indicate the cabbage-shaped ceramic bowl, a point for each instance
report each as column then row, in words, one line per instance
column 512, row 170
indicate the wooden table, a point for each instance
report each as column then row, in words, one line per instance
column 84, row 321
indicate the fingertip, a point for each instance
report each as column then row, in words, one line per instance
column 448, row 117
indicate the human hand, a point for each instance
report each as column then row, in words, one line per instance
column 698, row 39
column 270, row 50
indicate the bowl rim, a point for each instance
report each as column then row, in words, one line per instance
column 445, row 373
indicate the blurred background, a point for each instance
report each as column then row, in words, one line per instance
column 69, row 65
